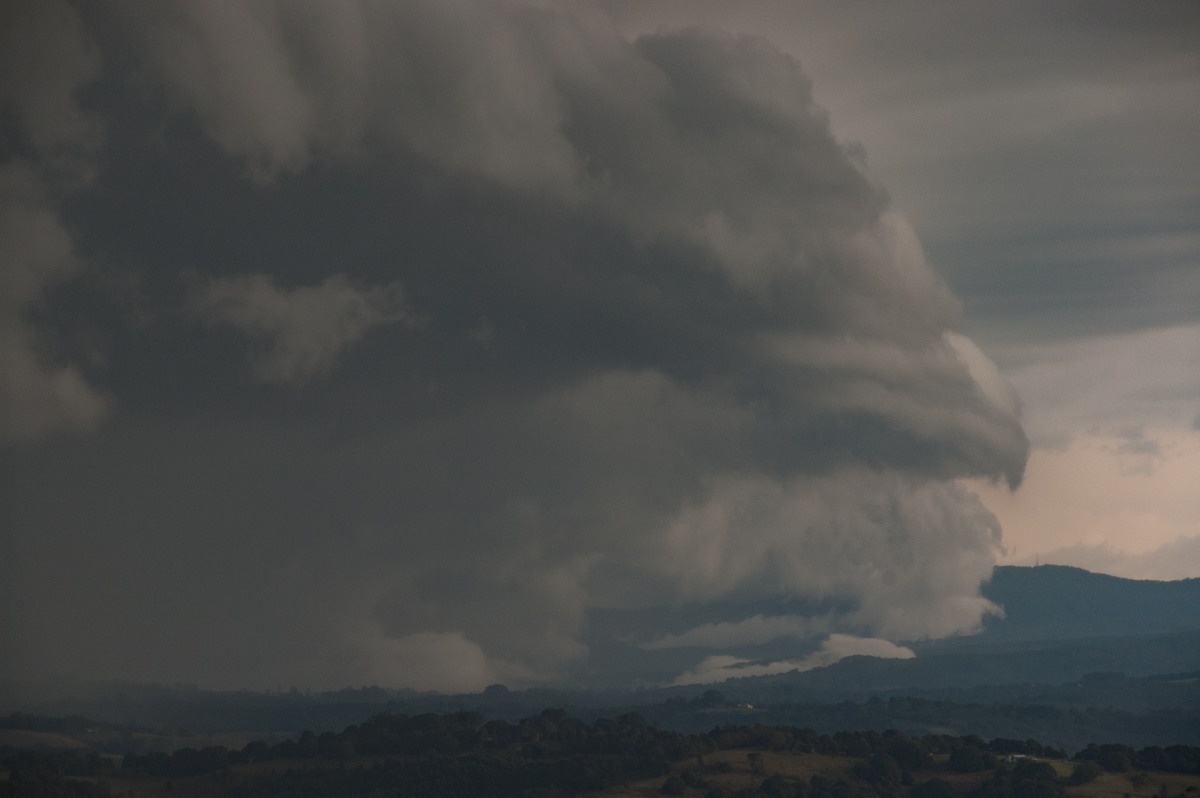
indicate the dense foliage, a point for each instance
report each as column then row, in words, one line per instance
column 553, row 753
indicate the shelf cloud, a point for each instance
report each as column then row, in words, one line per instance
column 539, row 319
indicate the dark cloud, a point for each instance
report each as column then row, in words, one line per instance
column 539, row 320
column 1043, row 151
column 41, row 394
column 45, row 59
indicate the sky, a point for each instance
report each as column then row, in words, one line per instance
column 368, row 342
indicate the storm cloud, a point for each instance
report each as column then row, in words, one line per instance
column 424, row 328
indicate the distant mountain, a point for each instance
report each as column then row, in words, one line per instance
column 944, row 670
column 1061, row 625
column 1058, row 602
column 1048, row 604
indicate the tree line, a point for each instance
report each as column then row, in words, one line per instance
column 554, row 753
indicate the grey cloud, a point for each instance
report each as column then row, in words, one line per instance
column 38, row 249
column 226, row 63
column 1116, row 384
column 910, row 554
column 1138, row 453
column 46, row 58
column 717, row 365
column 301, row 332
column 464, row 83
column 40, row 393
column 41, row 398
column 1044, row 152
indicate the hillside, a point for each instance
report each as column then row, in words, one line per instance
column 1058, row 602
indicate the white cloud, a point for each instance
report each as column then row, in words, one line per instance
column 836, row 647
column 994, row 387
column 749, row 631
column 300, row 332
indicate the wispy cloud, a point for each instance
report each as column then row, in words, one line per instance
column 750, row 631
column 836, row 647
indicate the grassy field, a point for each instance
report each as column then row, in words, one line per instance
column 736, row 770
column 18, row 738
column 739, row 769
column 1139, row 784
column 730, row 770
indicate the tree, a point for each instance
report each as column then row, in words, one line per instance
column 1084, row 772
column 967, row 759
column 673, row 786
column 934, row 788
